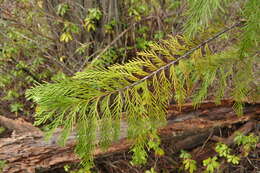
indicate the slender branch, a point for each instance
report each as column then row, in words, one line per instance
column 21, row 25
column 62, row 65
column 113, row 42
column 116, row 39
column 121, row 35
column 180, row 58
column 87, row 60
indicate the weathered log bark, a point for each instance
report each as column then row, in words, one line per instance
column 26, row 150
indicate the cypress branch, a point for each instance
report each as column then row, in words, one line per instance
column 181, row 57
column 95, row 100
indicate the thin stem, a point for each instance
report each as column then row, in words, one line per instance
column 180, row 58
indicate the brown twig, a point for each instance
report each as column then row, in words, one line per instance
column 116, row 39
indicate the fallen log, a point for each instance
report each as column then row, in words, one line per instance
column 29, row 151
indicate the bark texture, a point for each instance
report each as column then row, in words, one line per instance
column 27, row 150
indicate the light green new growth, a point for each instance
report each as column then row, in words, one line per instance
column 251, row 36
column 248, row 52
column 200, row 13
column 96, row 101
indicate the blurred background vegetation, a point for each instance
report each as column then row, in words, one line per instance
column 46, row 40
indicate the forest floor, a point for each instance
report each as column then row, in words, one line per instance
column 195, row 131
column 172, row 163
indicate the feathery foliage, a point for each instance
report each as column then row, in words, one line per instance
column 96, row 102
column 248, row 46
column 251, row 36
column 200, row 13
column 97, row 99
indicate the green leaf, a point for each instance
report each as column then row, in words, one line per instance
column 222, row 149
column 62, row 9
column 66, row 37
column 233, row 159
column 190, row 165
column 211, row 164
column 16, row 107
column 185, row 155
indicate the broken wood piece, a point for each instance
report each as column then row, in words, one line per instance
column 19, row 125
column 29, row 152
